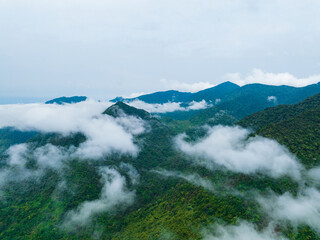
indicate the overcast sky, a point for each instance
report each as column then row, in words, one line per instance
column 103, row 48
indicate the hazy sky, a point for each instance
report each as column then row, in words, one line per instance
column 103, row 48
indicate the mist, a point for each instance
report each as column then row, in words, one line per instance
column 242, row 231
column 168, row 107
column 104, row 133
column 194, row 179
column 114, row 196
column 302, row 209
column 20, row 155
column 234, row 149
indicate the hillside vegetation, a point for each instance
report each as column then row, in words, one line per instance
column 176, row 195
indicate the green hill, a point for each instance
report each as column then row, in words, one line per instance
column 295, row 126
column 280, row 113
column 300, row 134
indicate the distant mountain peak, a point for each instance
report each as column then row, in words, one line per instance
column 117, row 99
column 69, row 100
column 228, row 83
column 119, row 108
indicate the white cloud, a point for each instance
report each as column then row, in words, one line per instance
column 243, row 231
column 156, row 108
column 186, row 87
column 217, row 101
column 17, row 155
column 277, row 79
column 113, row 195
column 47, row 156
column 314, row 174
column 198, row 105
column 303, row 209
column 50, row 156
column 230, row 147
column 104, row 133
column 168, row 107
column 50, row 117
column 272, row 99
column 131, row 171
column 194, row 179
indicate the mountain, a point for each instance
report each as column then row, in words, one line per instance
column 121, row 108
column 247, row 100
column 160, row 97
column 295, row 126
column 210, row 94
column 70, row 100
column 230, row 93
column 300, row 134
column 280, row 113
column 230, row 102
column 214, row 93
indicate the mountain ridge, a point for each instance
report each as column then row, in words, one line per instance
column 228, row 91
column 68, row 100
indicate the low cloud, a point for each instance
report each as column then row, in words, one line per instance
column 272, row 99
column 18, row 156
column 113, row 194
column 47, row 156
column 168, row 107
column 194, row 179
column 314, row 174
column 131, row 171
column 303, row 209
column 243, row 231
column 217, row 101
column 258, row 76
column 232, row 148
column 186, row 87
column 104, row 133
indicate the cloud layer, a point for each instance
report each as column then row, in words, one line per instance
column 230, row 147
column 104, row 133
column 277, row 79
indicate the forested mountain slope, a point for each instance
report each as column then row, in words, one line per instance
column 300, row 134
column 280, row 113
column 296, row 126
column 161, row 185
column 238, row 101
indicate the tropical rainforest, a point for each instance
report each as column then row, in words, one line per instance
column 244, row 165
